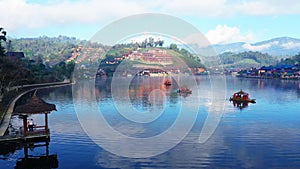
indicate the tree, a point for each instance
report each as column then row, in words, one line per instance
column 13, row 73
column 2, row 38
column 173, row 46
column 70, row 69
column 150, row 42
column 160, row 43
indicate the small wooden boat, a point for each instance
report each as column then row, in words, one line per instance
column 184, row 90
column 242, row 100
column 168, row 82
column 241, row 96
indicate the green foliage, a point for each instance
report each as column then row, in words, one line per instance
column 193, row 61
column 146, row 43
column 2, row 38
column 116, row 52
column 15, row 72
column 52, row 50
column 294, row 60
column 173, row 46
column 12, row 73
column 246, row 59
column 43, row 73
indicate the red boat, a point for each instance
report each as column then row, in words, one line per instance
column 241, row 96
column 168, row 82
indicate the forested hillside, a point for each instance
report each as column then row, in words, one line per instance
column 49, row 50
column 294, row 60
column 246, row 59
column 44, row 61
column 53, row 50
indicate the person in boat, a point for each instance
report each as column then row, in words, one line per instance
column 245, row 97
column 234, row 96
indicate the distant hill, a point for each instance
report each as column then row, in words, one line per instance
column 294, row 60
column 279, row 47
column 246, row 59
column 52, row 50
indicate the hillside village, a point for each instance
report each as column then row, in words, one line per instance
column 267, row 72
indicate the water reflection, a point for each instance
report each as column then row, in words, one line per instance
column 31, row 158
column 147, row 95
column 144, row 92
column 281, row 85
column 9, row 148
column 264, row 135
column 240, row 105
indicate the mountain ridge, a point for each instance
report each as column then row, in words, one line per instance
column 279, row 47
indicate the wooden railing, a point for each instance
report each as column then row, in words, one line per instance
column 38, row 132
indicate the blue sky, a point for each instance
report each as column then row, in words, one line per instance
column 222, row 21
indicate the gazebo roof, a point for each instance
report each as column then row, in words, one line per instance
column 34, row 106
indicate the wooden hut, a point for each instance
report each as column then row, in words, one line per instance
column 35, row 106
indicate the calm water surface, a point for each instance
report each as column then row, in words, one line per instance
column 261, row 135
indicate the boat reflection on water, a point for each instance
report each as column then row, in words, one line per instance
column 30, row 160
column 240, row 105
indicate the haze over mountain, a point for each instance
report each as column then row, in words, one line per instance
column 280, row 47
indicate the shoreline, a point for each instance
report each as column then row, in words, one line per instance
column 260, row 77
column 4, row 121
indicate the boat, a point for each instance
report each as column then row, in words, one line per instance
column 168, row 82
column 184, row 90
column 241, row 96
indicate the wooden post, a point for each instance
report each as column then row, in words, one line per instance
column 47, row 148
column 26, row 151
column 46, row 123
column 25, row 125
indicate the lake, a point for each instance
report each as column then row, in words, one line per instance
column 261, row 135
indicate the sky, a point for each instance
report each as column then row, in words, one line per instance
column 221, row 21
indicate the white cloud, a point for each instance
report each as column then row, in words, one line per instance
column 15, row 14
column 267, row 7
column 195, row 7
column 259, row 47
column 225, row 34
column 291, row 45
column 256, row 48
column 230, row 8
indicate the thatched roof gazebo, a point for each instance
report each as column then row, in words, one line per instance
column 35, row 106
